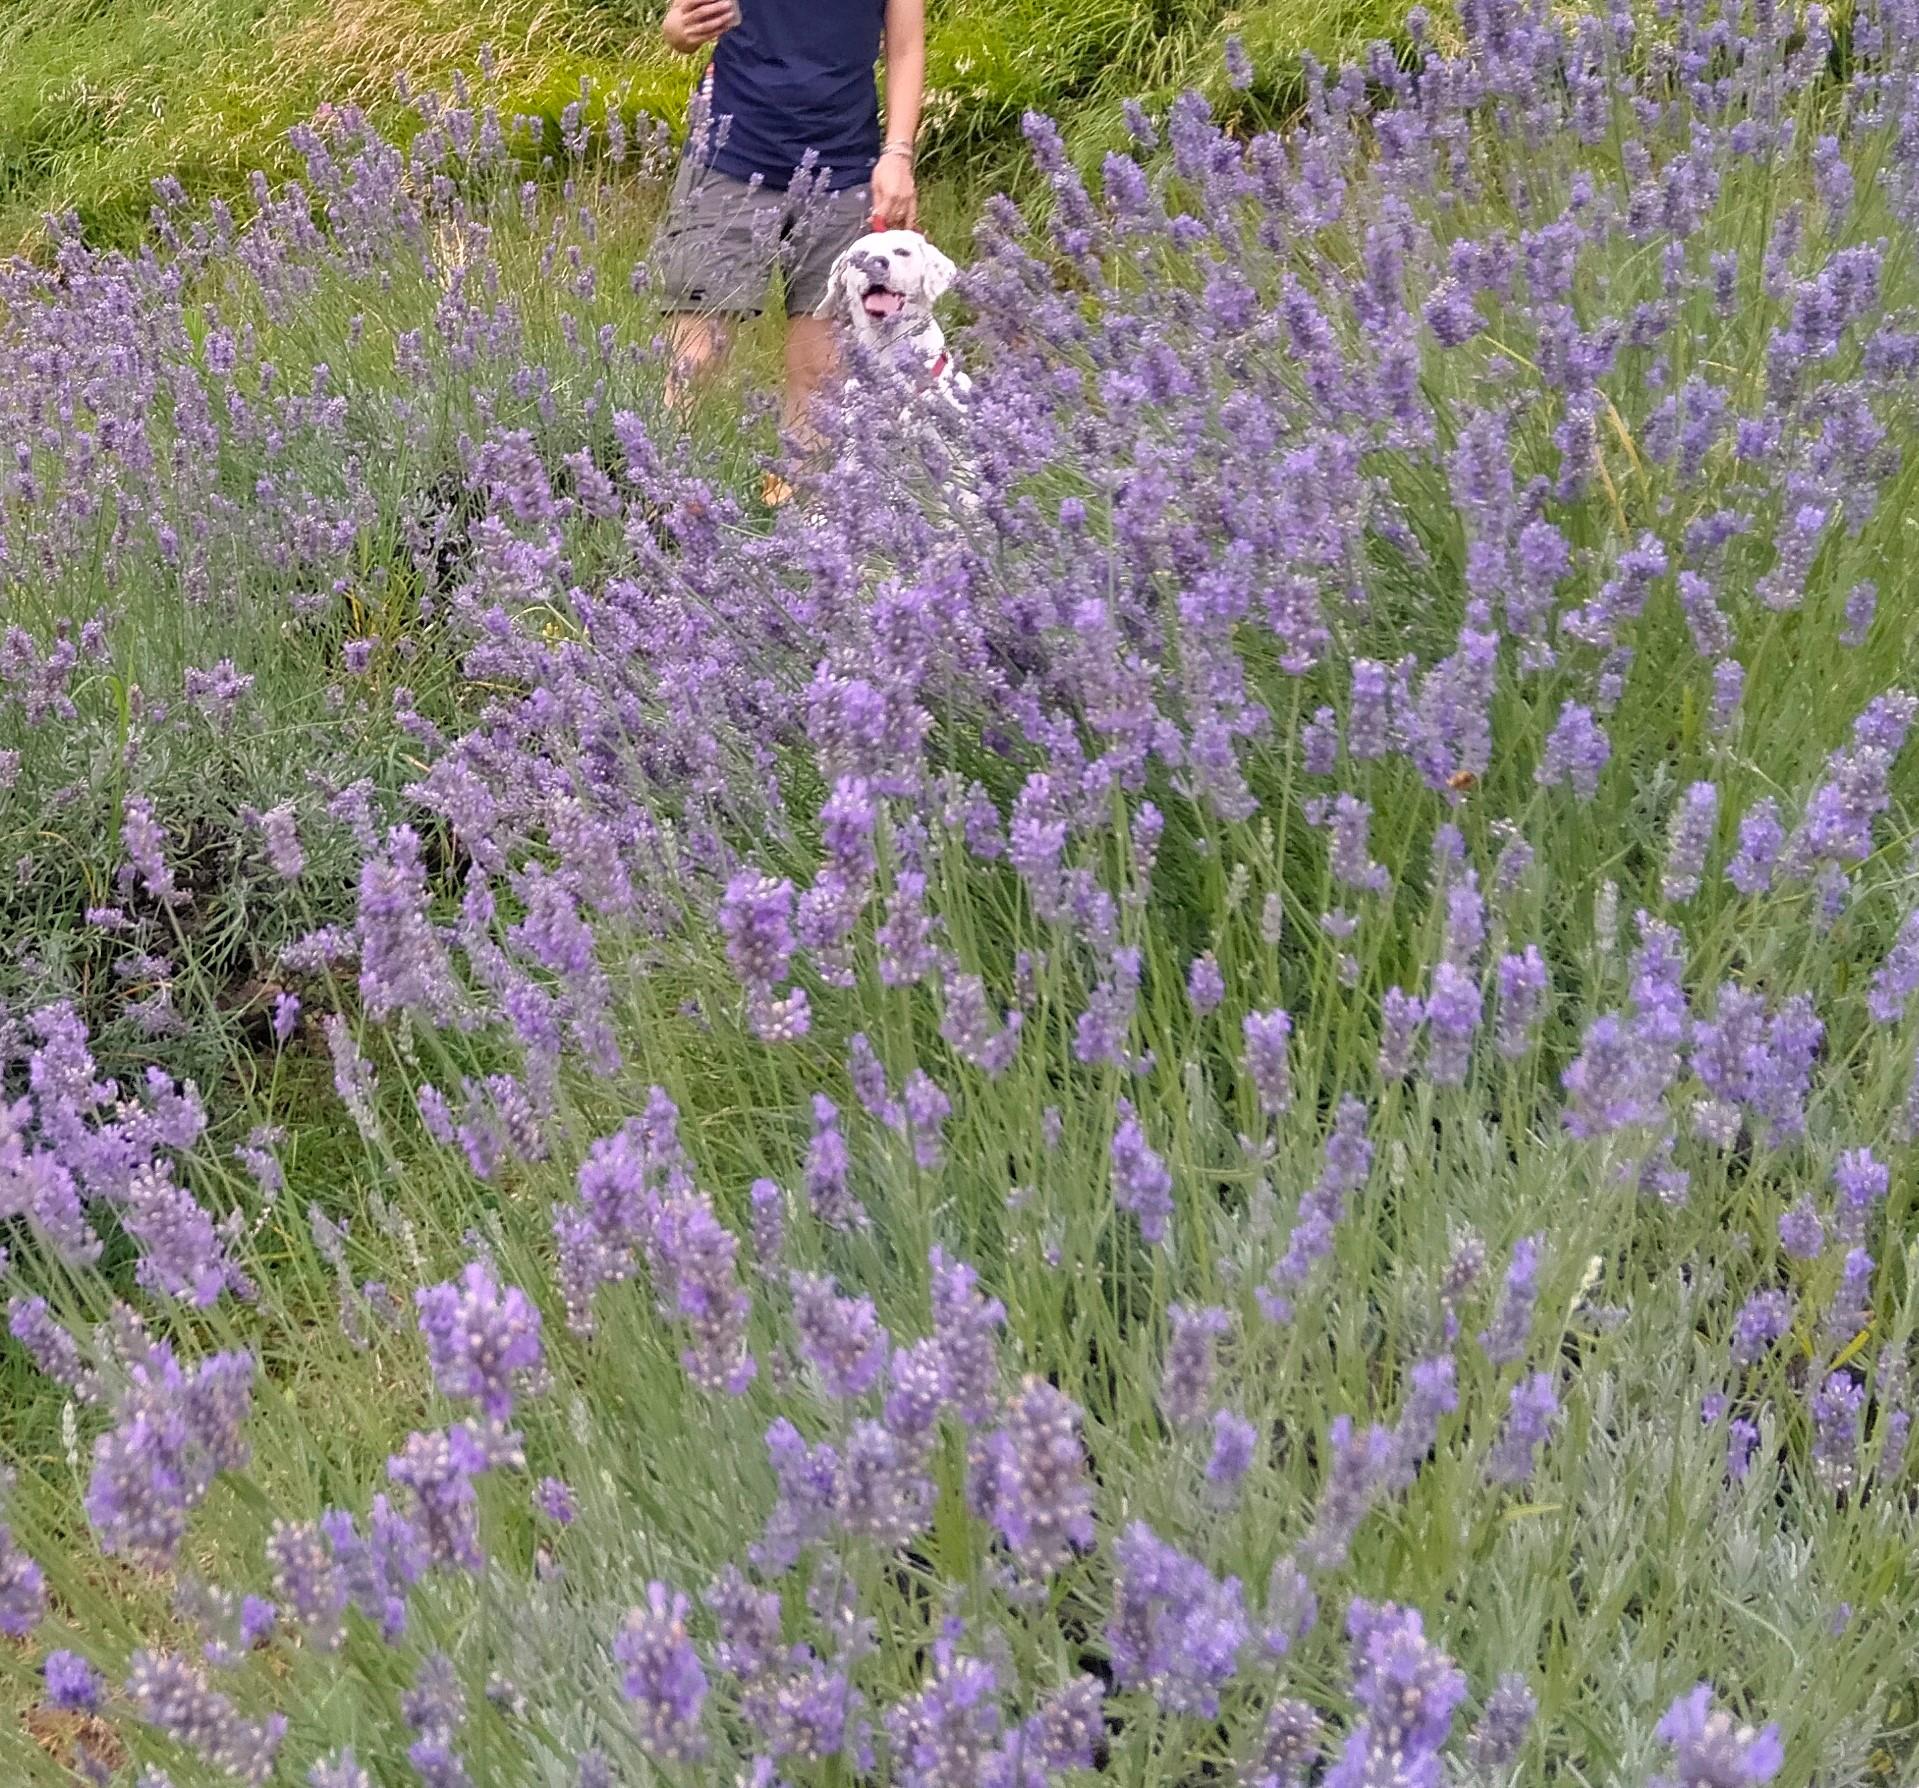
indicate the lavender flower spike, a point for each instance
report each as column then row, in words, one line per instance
column 23, row 1592
column 1576, row 752
column 1691, row 837
column 1711, row 1751
column 482, row 1341
column 1142, row 1182
column 663, row 1679
column 1532, row 1409
column 1186, row 1378
column 1040, row 1498
column 1407, row 1690
column 1267, row 1036
column 1175, row 1630
column 73, row 1684
column 1507, row 1717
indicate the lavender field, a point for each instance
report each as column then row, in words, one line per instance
column 1207, row 1077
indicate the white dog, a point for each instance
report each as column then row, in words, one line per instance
column 884, row 287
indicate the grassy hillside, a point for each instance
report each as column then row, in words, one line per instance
column 98, row 97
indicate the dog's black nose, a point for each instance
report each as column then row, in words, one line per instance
column 873, row 266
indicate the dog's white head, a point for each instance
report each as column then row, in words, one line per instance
column 885, row 277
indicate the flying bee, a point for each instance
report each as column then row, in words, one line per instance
column 1461, row 780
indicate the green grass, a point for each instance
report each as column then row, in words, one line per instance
column 98, row 98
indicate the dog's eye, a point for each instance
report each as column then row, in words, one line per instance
column 902, row 254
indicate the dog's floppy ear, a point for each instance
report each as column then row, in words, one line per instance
column 940, row 272
column 833, row 299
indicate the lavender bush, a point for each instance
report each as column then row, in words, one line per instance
column 1209, row 1075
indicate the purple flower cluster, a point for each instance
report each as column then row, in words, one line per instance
column 76, row 1142
column 1032, row 1481
column 841, row 1338
column 1710, row 1750
column 172, row 1697
column 1267, row 1069
column 404, row 964
column 312, row 1590
column 1348, row 1164
column 1186, row 1378
column 23, row 1589
column 662, row 1678
column 756, row 920
column 482, row 1342
column 1505, row 1342
column 1142, row 1182
column 1756, row 1067
column 965, row 1326
column 635, row 1196
column 174, row 1431
column 1175, row 1631
column 948, row 1731
column 438, row 1470
column 1532, row 1409
column 1504, row 1723
column 1407, row 1690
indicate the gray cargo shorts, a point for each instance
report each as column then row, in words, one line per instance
column 722, row 238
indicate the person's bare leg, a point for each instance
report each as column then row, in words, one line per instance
column 812, row 358
column 700, row 344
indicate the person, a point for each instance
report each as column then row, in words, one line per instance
column 792, row 165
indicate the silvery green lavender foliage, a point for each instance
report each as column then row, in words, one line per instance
column 1208, row 1074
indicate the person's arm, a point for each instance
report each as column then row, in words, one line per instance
column 689, row 24
column 895, row 196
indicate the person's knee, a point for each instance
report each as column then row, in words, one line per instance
column 811, row 349
column 696, row 346
column 698, row 342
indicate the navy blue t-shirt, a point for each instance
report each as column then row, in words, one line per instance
column 795, row 75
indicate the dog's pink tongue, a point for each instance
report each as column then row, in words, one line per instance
column 882, row 304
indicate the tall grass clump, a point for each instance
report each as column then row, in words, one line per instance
column 1207, row 1075
column 98, row 98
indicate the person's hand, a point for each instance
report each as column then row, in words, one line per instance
column 690, row 23
column 896, row 204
